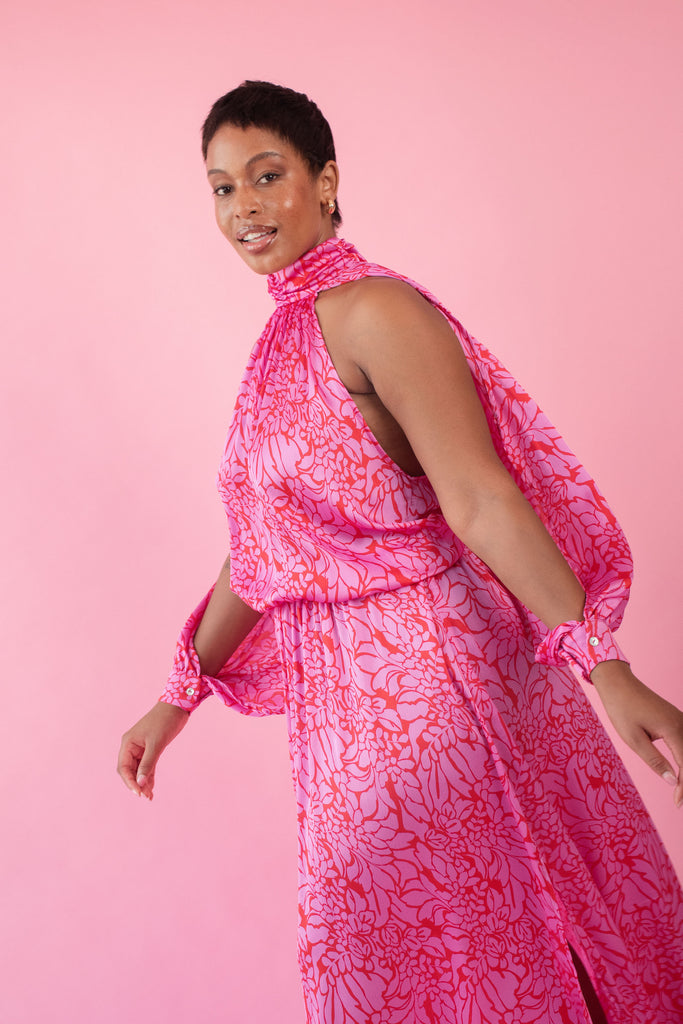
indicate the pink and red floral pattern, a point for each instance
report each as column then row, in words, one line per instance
column 462, row 815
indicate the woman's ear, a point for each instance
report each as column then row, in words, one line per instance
column 329, row 182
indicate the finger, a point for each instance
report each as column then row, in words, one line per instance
column 146, row 786
column 144, row 778
column 672, row 736
column 674, row 741
column 127, row 767
column 645, row 748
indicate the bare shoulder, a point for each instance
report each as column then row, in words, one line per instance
column 370, row 297
column 374, row 306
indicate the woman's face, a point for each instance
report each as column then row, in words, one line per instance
column 268, row 204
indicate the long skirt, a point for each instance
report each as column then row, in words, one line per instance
column 465, row 822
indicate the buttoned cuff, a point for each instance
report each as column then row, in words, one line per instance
column 581, row 645
column 186, row 686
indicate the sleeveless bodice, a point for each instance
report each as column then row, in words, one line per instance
column 316, row 508
column 318, row 511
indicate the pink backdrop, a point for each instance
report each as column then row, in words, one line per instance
column 521, row 159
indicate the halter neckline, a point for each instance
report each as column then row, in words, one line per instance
column 327, row 264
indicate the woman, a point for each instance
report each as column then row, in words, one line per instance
column 417, row 565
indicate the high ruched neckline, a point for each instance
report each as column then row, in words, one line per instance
column 329, row 263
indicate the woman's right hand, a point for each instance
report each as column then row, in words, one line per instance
column 641, row 716
column 142, row 746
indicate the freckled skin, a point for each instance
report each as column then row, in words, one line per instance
column 259, row 179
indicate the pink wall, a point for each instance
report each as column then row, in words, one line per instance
column 521, row 159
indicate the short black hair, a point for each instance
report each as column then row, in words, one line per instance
column 292, row 115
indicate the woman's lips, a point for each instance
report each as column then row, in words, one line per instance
column 256, row 239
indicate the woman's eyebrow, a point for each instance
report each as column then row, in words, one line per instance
column 251, row 160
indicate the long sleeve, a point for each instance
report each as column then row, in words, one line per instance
column 186, row 687
column 251, row 681
column 581, row 645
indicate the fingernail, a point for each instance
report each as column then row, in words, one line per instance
column 667, row 776
column 142, row 779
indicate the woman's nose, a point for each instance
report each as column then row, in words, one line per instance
column 247, row 203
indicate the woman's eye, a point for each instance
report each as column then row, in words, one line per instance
column 222, row 190
column 269, row 176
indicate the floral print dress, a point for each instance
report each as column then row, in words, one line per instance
column 463, row 818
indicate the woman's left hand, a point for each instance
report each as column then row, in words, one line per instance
column 641, row 716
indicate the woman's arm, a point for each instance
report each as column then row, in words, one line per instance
column 226, row 622
column 408, row 353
